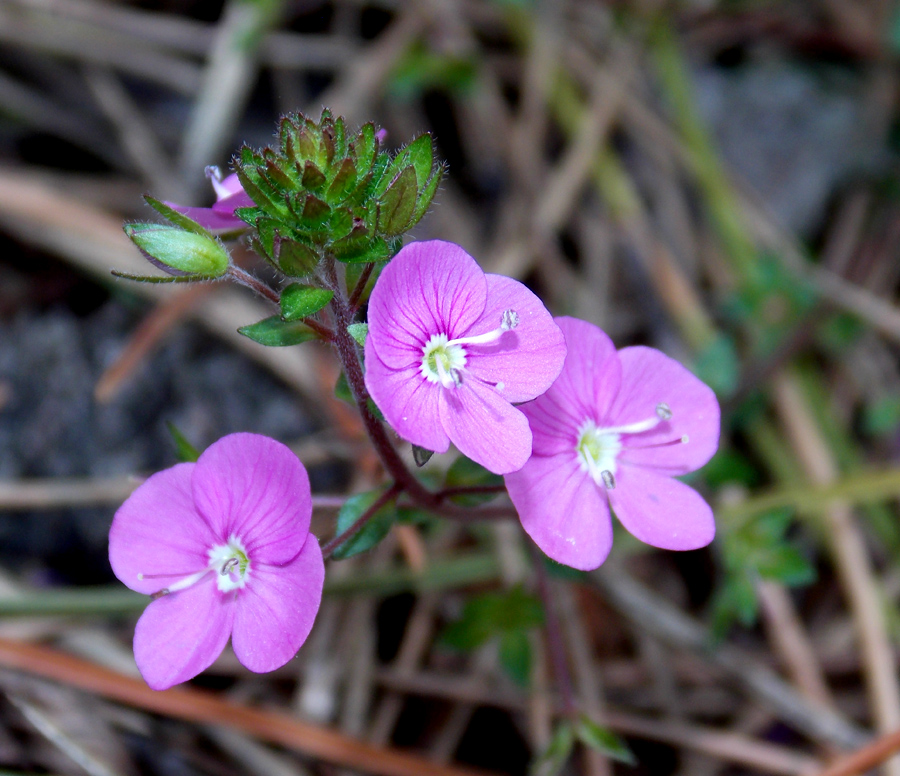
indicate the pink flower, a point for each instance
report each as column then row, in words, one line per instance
column 224, row 547
column 450, row 349
column 220, row 217
column 613, row 431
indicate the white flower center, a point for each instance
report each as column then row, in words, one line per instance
column 444, row 359
column 230, row 563
column 598, row 448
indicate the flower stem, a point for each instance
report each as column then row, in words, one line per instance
column 389, row 495
column 554, row 636
column 347, row 352
column 254, row 284
column 360, row 287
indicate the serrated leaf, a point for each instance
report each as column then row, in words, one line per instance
column 375, row 529
column 464, row 472
column 554, row 758
column 276, row 333
column 179, row 219
column 343, row 182
column 294, row 258
column 359, row 332
column 420, row 154
column 421, row 456
column 515, row 656
column 603, row 740
column 397, row 205
column 184, row 450
column 363, row 149
column 313, row 177
column 373, row 252
column 299, row 301
column 426, row 196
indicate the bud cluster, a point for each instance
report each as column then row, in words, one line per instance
column 324, row 191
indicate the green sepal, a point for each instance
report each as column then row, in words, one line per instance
column 372, row 532
column 300, row 301
column 359, row 332
column 426, row 196
column 179, row 219
column 277, row 333
column 313, row 177
column 603, row 740
column 377, row 250
column 363, row 149
column 420, row 154
column 397, row 205
column 343, row 182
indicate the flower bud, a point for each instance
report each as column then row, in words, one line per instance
column 179, row 252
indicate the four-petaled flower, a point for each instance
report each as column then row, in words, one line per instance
column 613, row 431
column 219, row 218
column 224, row 547
column 450, row 349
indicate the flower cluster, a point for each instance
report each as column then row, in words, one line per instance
column 452, row 355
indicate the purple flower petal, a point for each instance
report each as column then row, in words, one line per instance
column 661, row 511
column 276, row 610
column 428, row 288
column 181, row 634
column 485, row 427
column 408, row 401
column 158, row 532
column 228, row 186
column 254, row 488
column 526, row 359
column 650, row 378
column 229, row 204
column 211, row 219
column 562, row 510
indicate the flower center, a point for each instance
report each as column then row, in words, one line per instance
column 229, row 562
column 598, row 448
column 444, row 359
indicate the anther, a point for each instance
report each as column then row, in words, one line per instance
column 609, row 480
column 228, row 566
column 159, row 594
column 663, row 411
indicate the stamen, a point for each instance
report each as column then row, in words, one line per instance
column 228, row 566
column 683, row 440
column 664, row 411
column 608, row 479
column 508, row 321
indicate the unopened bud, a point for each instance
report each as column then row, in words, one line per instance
column 179, row 252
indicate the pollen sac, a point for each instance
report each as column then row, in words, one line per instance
column 334, row 191
column 663, row 411
column 509, row 320
column 609, row 480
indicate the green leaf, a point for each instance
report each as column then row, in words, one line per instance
column 398, row 203
column 466, row 473
column 373, row 251
column 603, row 740
column 426, row 196
column 515, row 656
column 343, row 182
column 313, row 177
column 363, row 148
column 493, row 614
column 554, row 758
column 300, row 301
column 183, row 252
column 359, row 332
column 372, row 532
column 420, row 154
column 421, row 456
column 184, row 450
column 179, row 219
column 294, row 258
column 275, row 332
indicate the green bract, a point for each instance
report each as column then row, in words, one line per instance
column 322, row 190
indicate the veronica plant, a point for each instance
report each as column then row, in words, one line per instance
column 449, row 354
